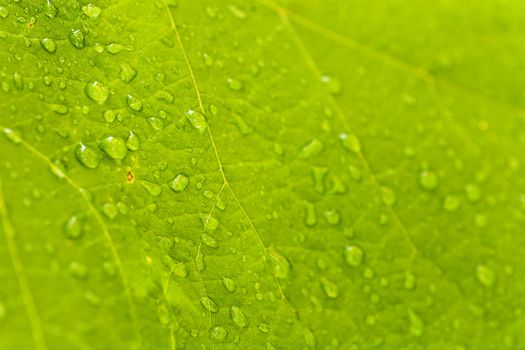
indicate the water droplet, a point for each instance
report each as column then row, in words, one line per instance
column 209, row 241
column 350, row 142
column 388, row 196
column 13, row 136
column 333, row 217
column 179, row 183
column 127, row 73
column 156, row 123
column 77, row 38
column 485, row 275
column 428, row 180
column 473, row 193
column 97, row 91
column 49, row 9
column 163, row 314
column 116, row 48
column 4, row 12
column 165, row 96
column 59, row 109
column 451, row 203
column 218, row 334
column 354, row 255
column 78, row 270
column 235, row 85
column 48, row 44
column 134, row 103
column 74, row 227
column 238, row 317
column 318, row 174
column 229, row 284
column 91, row 10
column 208, row 60
column 87, row 156
column 115, row 147
column 279, row 263
column 333, row 84
column 110, row 210
column 209, row 304
column 309, row 338
column 152, row 188
column 132, row 142
column 244, row 128
column 197, row 119
column 410, row 281
column 314, row 148
column 416, row 324
column 310, row 216
column 330, row 289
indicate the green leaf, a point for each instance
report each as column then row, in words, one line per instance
column 332, row 174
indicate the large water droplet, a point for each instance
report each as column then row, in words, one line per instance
column 49, row 9
column 87, row 156
column 127, row 73
column 91, row 10
column 179, row 183
column 279, row 263
column 97, row 91
column 48, row 44
column 134, row 103
column 218, row 334
column 350, row 142
column 238, row 317
column 77, row 38
column 115, row 147
column 354, row 255
column 229, row 284
column 132, row 142
column 428, row 180
column 74, row 227
column 156, row 123
column 4, row 12
column 209, row 304
column 197, row 119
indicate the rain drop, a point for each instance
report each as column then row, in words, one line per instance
column 134, row 103
column 238, row 317
column 127, row 73
column 428, row 180
column 350, row 142
column 132, row 142
column 77, row 38
column 91, row 10
column 49, row 9
column 87, row 156
column 48, row 44
column 115, row 147
column 229, row 284
column 74, row 227
column 197, row 119
column 235, row 85
column 218, row 334
column 179, row 183
column 209, row 304
column 279, row 263
column 485, row 275
column 330, row 289
column 354, row 255
column 97, row 91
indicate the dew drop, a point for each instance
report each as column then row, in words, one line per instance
column 313, row 148
column 473, row 193
column 310, row 216
column 209, row 241
column 241, row 124
column 486, row 276
column 152, row 188
column 3, row 12
column 209, row 304
column 238, row 317
column 416, row 324
column 134, row 103
column 48, row 44
column 388, row 196
column 163, row 314
column 49, row 9
column 350, row 142
column 74, row 227
column 91, row 10
column 13, row 136
column 59, row 109
column 97, row 91
column 110, row 210
column 115, row 147
column 280, row 265
column 78, row 270
column 179, row 183
column 218, row 334
column 330, row 289
column 87, row 156
column 116, row 48
column 410, row 281
column 132, row 142
column 333, row 217
column 197, row 119
column 156, row 123
column 309, row 338
column 451, row 203
column 318, row 175
column 229, row 284
column 127, row 73
column 235, row 85
column 354, row 255
column 428, row 180
column 77, row 38
column 333, row 84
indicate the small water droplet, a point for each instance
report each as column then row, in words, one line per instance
column 330, row 289
column 388, row 196
column 156, row 123
column 110, row 209
column 235, row 85
column 218, row 334
column 416, row 324
column 4, row 12
column 152, row 188
column 333, row 84
column 485, row 275
column 115, row 147
column 451, row 203
column 333, row 217
column 428, row 180
column 13, row 136
column 197, row 119
column 238, row 317
column 244, row 128
column 350, row 142
column 313, row 148
column 209, row 304
column 116, row 48
column 134, row 103
column 77, row 38
column 354, row 255
column 48, row 44
column 97, row 91
column 179, row 183
column 91, row 10
column 127, row 73
column 280, row 265
column 49, row 9
column 74, row 227
column 132, row 142
column 163, row 314
column 310, row 216
column 78, row 270
column 319, row 174
column 87, row 156
column 309, row 338
column 229, row 284
column 473, row 193
column 209, row 241
column 59, row 109
column 410, row 281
